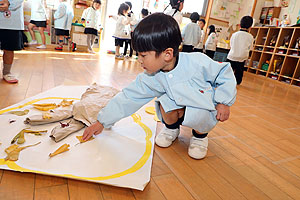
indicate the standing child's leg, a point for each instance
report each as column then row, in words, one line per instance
column 131, row 49
column 60, row 44
column 43, row 46
column 30, row 28
column 170, row 132
column 239, row 72
column 8, row 58
column 89, row 43
column 126, row 47
column 72, row 44
column 117, row 51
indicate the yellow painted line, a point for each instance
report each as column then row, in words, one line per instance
column 135, row 167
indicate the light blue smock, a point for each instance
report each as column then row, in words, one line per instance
column 16, row 19
column 63, row 16
column 197, row 84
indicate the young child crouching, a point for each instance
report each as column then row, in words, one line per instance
column 192, row 90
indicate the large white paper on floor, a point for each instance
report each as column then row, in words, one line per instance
column 121, row 156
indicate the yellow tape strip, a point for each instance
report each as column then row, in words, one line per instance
column 138, row 165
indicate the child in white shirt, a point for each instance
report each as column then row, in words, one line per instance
column 211, row 42
column 240, row 45
column 175, row 12
column 92, row 18
column 191, row 33
column 38, row 19
column 122, row 33
column 199, row 46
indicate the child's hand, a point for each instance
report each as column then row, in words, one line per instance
column 223, row 112
column 94, row 129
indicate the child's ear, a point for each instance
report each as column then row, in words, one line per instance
column 168, row 54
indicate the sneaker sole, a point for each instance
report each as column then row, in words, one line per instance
column 163, row 145
column 13, row 81
column 196, row 157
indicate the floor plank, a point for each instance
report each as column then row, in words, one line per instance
column 59, row 192
column 79, row 190
column 170, row 186
column 17, row 185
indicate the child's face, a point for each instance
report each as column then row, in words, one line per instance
column 180, row 6
column 152, row 64
column 125, row 12
column 97, row 6
column 201, row 24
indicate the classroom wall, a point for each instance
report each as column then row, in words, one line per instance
column 259, row 5
column 293, row 10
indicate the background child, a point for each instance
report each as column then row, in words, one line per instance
column 199, row 46
column 11, row 28
column 177, row 6
column 132, row 22
column 38, row 19
column 191, row 33
column 63, row 22
column 211, row 42
column 91, row 17
column 240, row 44
column 191, row 89
column 121, row 33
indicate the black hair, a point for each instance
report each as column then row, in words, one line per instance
column 129, row 3
column 202, row 20
column 194, row 17
column 123, row 6
column 97, row 1
column 246, row 22
column 157, row 32
column 212, row 29
column 176, row 3
column 145, row 12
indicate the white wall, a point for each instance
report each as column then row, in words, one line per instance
column 292, row 10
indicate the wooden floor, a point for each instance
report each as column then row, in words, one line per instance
column 254, row 155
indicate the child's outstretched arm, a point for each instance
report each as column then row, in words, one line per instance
column 125, row 103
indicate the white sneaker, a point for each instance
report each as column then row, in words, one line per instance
column 119, row 57
column 10, row 78
column 41, row 47
column 198, row 147
column 166, row 136
column 1, row 53
column 91, row 51
column 32, row 42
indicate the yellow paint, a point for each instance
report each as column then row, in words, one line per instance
column 32, row 102
column 135, row 167
column 150, row 110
